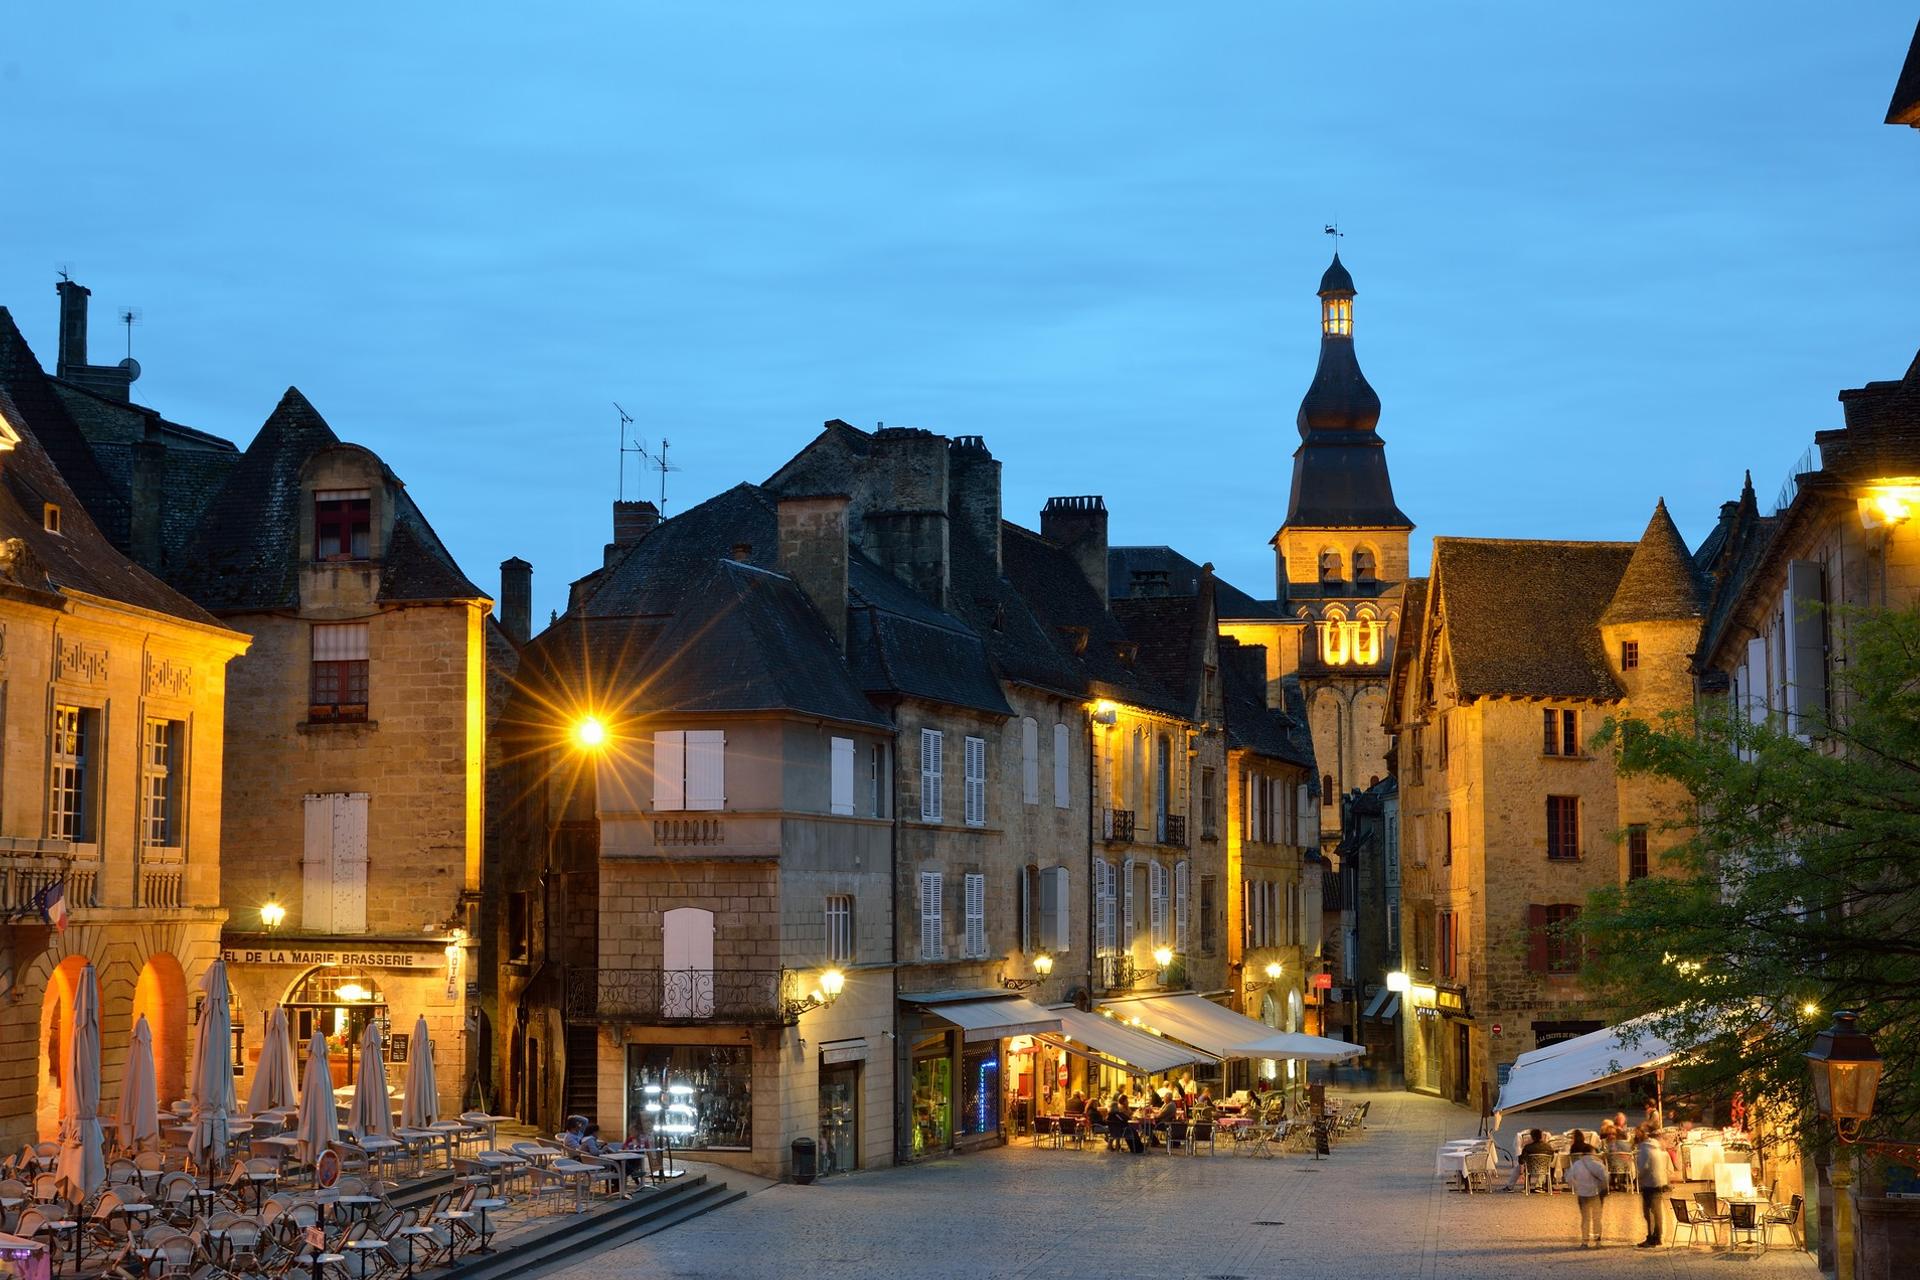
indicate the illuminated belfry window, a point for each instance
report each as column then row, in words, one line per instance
column 1336, row 316
column 1351, row 644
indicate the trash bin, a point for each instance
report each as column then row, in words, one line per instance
column 803, row 1160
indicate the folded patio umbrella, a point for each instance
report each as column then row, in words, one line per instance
column 372, row 1112
column 137, row 1118
column 421, row 1107
column 83, row 1159
column 318, row 1125
column 273, row 1078
column 210, row 1091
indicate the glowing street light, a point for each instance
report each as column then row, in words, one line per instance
column 272, row 914
column 589, row 733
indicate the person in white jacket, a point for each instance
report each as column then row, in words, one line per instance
column 1653, row 1170
column 1588, row 1178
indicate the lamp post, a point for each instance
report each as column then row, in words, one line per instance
column 1846, row 1075
column 272, row 914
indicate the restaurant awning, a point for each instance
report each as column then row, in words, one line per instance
column 1584, row 1063
column 985, row 1016
column 1385, row 1005
column 1226, row 1034
column 1105, row 1041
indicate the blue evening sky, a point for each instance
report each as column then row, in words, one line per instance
column 1604, row 252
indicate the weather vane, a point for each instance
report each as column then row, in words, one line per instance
column 1333, row 229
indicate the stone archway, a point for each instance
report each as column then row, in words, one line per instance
column 56, row 1020
column 160, row 996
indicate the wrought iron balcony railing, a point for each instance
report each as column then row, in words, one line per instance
column 1176, row 833
column 677, row 995
column 1118, row 827
column 1113, row 972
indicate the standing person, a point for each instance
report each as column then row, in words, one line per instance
column 1588, row 1178
column 1654, row 1170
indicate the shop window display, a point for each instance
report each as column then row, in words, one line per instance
column 932, row 1103
column 722, row 1080
column 980, row 1096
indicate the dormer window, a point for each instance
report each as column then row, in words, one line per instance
column 342, row 524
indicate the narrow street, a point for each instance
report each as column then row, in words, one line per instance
column 1374, row 1211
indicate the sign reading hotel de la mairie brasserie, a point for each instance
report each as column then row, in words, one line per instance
column 360, row 957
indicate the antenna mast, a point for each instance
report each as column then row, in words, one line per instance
column 648, row 459
column 626, row 420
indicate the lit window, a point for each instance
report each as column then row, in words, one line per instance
column 70, row 800
column 50, row 517
column 1336, row 316
column 160, row 783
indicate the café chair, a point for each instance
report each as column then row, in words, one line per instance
column 1787, row 1219
column 1689, row 1217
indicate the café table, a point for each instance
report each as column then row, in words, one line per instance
column 483, row 1204
column 261, row 1180
column 626, row 1159
column 410, row 1234
column 1465, row 1158
column 451, row 1131
column 319, row 1260
column 67, row 1226
column 580, row 1174
column 354, row 1205
column 487, row 1123
column 365, row 1247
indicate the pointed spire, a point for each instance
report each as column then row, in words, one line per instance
column 1661, row 583
column 1340, row 398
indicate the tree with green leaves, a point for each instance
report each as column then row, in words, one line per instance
column 1793, row 892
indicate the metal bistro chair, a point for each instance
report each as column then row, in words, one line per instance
column 1787, row 1219
column 1620, row 1175
column 1743, row 1219
column 1539, row 1172
column 1201, row 1134
column 1689, row 1217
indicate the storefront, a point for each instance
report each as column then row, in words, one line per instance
column 842, row 1075
column 698, row 1097
column 961, row 1067
column 339, row 990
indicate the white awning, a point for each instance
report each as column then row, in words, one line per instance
column 1104, row 1040
column 990, row 1019
column 1224, row 1033
column 1584, row 1063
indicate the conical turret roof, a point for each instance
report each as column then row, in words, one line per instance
column 1661, row 583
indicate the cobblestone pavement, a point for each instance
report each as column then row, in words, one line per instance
column 1374, row 1211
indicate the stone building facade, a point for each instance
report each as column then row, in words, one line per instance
column 112, row 687
column 1509, row 816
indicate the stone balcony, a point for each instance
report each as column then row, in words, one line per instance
column 28, row 866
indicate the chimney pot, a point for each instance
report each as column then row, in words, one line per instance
column 1078, row 525
column 813, row 552
column 73, row 326
column 516, row 599
column 633, row 521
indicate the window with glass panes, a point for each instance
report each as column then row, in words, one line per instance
column 1560, row 732
column 69, row 801
column 160, row 783
column 339, row 672
column 1637, row 851
column 1563, row 827
column 839, row 928
column 342, row 524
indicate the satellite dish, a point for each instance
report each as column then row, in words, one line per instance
column 132, row 367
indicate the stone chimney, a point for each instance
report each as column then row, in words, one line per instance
column 905, row 524
column 1147, row 584
column 632, row 521
column 73, row 326
column 1078, row 526
column 147, row 501
column 973, row 494
column 813, row 552
column 516, row 599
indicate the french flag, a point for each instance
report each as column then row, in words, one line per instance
column 53, row 905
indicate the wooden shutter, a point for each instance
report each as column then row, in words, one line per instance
column 1023, row 896
column 686, row 951
column 1029, row 760
column 316, row 867
column 975, row 765
column 706, row 769
column 669, row 770
column 842, row 759
column 1807, row 623
column 1157, row 898
column 1180, row 911
column 1536, row 938
column 1062, row 768
column 1055, row 909
column 1309, row 833
column 1104, row 895
column 932, row 945
column 931, row 749
column 975, row 887
column 1128, row 923
column 350, row 863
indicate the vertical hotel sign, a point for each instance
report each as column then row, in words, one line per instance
column 453, row 970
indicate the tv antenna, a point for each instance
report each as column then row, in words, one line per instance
column 648, row 459
column 130, row 316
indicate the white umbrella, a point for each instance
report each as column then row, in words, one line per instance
column 318, row 1126
column 210, row 1092
column 273, row 1078
column 83, row 1161
column 372, row 1113
column 138, row 1116
column 421, row 1107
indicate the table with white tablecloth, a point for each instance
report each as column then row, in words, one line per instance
column 1466, row 1158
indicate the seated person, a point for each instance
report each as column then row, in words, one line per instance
column 1118, row 1116
column 1203, row 1108
column 1580, row 1145
column 570, row 1136
column 1536, row 1145
column 1077, row 1104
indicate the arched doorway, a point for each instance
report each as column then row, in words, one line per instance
column 160, row 996
column 338, row 1002
column 56, row 1022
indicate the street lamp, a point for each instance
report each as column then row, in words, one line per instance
column 825, row 991
column 272, row 914
column 1399, row 982
column 1846, row 1075
column 589, row 733
column 1888, row 502
column 1042, row 968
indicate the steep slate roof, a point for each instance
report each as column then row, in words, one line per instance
column 1251, row 724
column 1523, row 617
column 1905, row 106
column 78, row 558
column 1021, row 646
column 1168, row 630
column 1662, row 583
column 34, row 395
column 247, row 555
column 1183, row 578
column 900, row 644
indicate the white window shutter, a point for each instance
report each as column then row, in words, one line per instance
column 1128, row 925
column 1029, row 760
column 1180, row 874
column 1053, row 891
column 1062, row 768
column 976, row 781
column 975, row 886
column 842, row 758
column 932, row 746
column 1062, row 914
column 932, row 946
column 706, row 769
column 1103, row 905
column 1157, row 896
column 316, row 867
column 350, row 863
column 686, row 956
column 1307, row 816
column 669, row 770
